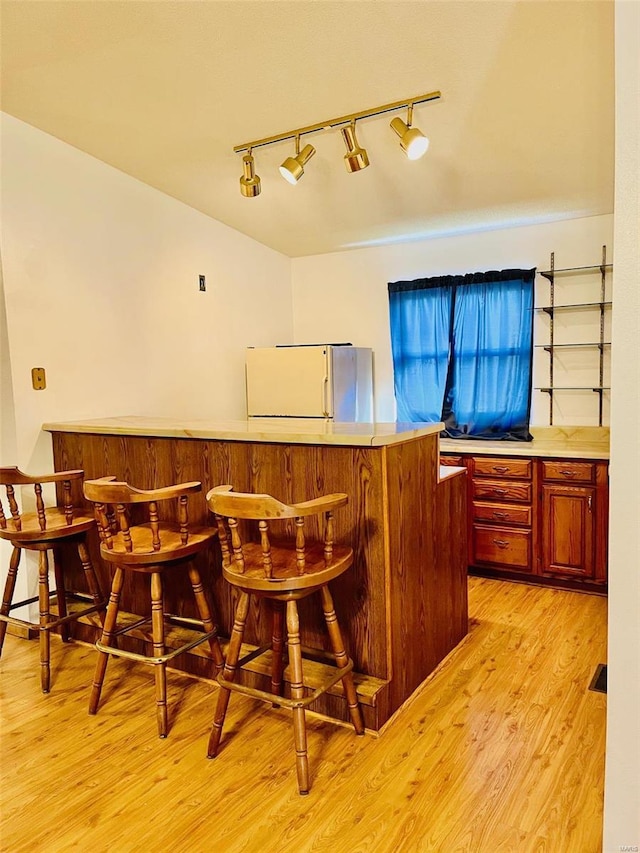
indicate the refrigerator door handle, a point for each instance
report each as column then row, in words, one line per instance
column 325, row 396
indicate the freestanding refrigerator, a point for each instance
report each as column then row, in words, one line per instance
column 314, row 381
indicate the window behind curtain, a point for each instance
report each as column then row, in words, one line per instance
column 462, row 352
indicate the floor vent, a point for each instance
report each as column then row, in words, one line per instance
column 599, row 680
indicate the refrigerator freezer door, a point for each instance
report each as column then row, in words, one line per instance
column 289, row 382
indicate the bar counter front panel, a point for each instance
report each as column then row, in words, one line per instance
column 402, row 606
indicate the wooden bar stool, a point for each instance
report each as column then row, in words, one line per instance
column 156, row 548
column 281, row 571
column 42, row 531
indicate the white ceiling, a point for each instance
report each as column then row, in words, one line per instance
column 523, row 133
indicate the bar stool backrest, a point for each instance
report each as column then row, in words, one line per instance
column 12, row 476
column 111, row 499
column 229, row 507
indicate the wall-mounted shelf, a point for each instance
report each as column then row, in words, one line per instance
column 552, row 273
column 573, row 388
column 600, row 345
column 550, row 309
column 590, row 345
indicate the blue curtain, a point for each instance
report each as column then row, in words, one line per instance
column 420, row 345
column 462, row 352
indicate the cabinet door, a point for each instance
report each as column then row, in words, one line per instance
column 568, row 524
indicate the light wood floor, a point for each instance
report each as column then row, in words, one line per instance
column 501, row 750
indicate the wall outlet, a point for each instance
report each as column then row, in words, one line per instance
column 203, row 282
column 38, row 378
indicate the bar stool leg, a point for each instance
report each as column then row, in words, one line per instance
column 61, row 595
column 205, row 615
column 9, row 587
column 157, row 623
column 297, row 692
column 106, row 639
column 277, row 647
column 229, row 672
column 337, row 644
column 93, row 584
column 43, row 599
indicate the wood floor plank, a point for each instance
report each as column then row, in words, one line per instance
column 501, row 749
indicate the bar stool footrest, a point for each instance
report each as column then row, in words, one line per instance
column 53, row 623
column 266, row 696
column 151, row 659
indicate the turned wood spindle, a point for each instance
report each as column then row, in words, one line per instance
column 42, row 519
column 66, row 501
column 154, row 524
column 266, row 548
column 13, row 506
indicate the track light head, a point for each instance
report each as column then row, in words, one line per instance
column 293, row 167
column 356, row 158
column 249, row 182
column 412, row 141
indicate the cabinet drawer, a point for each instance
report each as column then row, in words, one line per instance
column 485, row 466
column 499, row 546
column 452, row 460
column 569, row 472
column 499, row 491
column 502, row 513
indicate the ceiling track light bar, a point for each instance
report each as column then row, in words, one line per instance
column 340, row 120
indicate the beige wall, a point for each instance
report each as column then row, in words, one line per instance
column 622, row 782
column 101, row 289
column 343, row 297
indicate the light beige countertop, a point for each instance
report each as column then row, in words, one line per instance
column 261, row 430
column 447, row 471
column 561, row 442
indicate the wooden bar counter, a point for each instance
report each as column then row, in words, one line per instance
column 403, row 604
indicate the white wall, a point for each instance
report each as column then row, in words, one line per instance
column 100, row 276
column 622, row 780
column 343, row 296
column 101, row 289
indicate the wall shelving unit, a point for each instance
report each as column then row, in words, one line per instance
column 600, row 345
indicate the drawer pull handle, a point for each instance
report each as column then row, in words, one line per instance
column 501, row 469
column 499, row 491
column 501, row 543
column 568, row 473
column 501, row 515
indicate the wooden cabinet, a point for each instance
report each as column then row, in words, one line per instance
column 574, row 520
column 542, row 519
column 501, row 498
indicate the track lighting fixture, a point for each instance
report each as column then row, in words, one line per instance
column 412, row 141
column 356, row 158
column 293, row 167
column 249, row 182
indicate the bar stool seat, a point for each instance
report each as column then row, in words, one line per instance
column 280, row 572
column 155, row 547
column 44, row 530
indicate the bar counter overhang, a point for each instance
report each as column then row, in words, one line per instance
column 402, row 605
